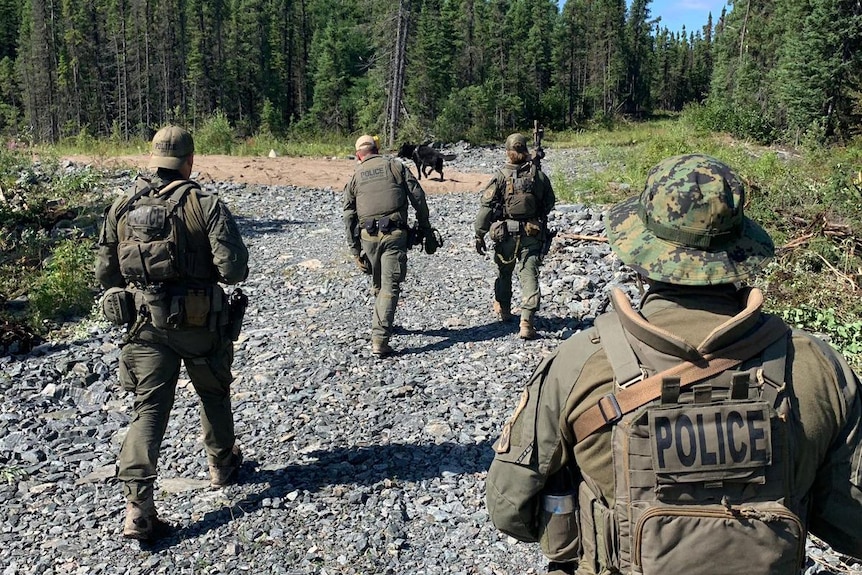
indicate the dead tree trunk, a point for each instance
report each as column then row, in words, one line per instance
column 398, row 62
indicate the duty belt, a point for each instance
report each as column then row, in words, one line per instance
column 384, row 225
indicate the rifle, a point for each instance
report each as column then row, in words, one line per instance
column 538, row 134
column 538, row 155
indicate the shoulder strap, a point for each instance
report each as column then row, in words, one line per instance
column 174, row 185
column 149, row 188
column 621, row 356
column 610, row 408
column 139, row 194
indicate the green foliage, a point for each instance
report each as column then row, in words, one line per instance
column 741, row 121
column 11, row 474
column 73, row 183
column 215, row 135
column 270, row 120
column 296, row 144
column 469, row 113
column 63, row 289
column 844, row 333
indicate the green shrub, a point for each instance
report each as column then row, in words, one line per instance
column 62, row 290
column 215, row 135
column 740, row 120
column 844, row 334
column 74, row 183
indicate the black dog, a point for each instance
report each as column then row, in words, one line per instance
column 426, row 158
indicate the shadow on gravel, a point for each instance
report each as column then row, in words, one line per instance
column 362, row 466
column 252, row 227
column 451, row 336
column 555, row 324
column 550, row 325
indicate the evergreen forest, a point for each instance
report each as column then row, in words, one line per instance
column 768, row 70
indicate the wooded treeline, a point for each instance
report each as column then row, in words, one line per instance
column 449, row 68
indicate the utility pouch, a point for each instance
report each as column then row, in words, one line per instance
column 237, row 302
column 559, row 532
column 148, row 261
column 371, row 227
column 513, row 227
column 598, row 532
column 715, row 539
column 164, row 311
column 385, row 225
column 532, row 229
column 197, row 307
column 118, row 306
column 499, row 231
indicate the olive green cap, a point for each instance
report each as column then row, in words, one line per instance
column 516, row 142
column 171, row 146
column 688, row 227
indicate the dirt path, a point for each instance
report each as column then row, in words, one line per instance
column 283, row 171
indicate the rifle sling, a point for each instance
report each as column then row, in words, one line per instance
column 612, row 407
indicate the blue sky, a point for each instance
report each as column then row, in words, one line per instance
column 676, row 13
column 691, row 13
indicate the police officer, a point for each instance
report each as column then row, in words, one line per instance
column 697, row 434
column 164, row 247
column 514, row 207
column 375, row 217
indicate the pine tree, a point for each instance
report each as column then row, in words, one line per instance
column 431, row 75
column 638, row 58
column 819, row 74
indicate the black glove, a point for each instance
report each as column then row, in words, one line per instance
column 480, row 245
column 363, row 264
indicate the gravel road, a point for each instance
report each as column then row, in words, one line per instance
column 353, row 464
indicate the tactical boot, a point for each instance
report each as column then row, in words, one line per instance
column 226, row 473
column 555, row 568
column 381, row 347
column 503, row 313
column 527, row 330
column 142, row 522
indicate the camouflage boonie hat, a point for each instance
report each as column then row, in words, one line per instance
column 516, row 142
column 171, row 146
column 687, row 227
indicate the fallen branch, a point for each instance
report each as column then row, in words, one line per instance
column 581, row 237
column 841, row 275
column 796, row 242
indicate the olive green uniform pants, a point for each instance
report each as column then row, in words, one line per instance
column 388, row 256
column 150, row 367
column 523, row 253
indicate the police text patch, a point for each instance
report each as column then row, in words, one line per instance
column 710, row 438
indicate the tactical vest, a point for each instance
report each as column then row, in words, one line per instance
column 162, row 235
column 702, row 475
column 519, row 198
column 378, row 191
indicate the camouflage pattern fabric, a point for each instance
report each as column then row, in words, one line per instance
column 688, row 227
